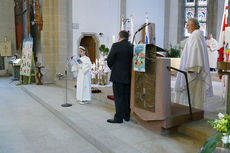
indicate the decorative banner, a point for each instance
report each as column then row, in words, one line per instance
column 18, row 35
column 227, row 45
column 26, row 57
column 139, row 57
column 5, row 48
column 224, row 24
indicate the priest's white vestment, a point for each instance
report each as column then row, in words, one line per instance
column 212, row 52
column 195, row 62
column 83, row 92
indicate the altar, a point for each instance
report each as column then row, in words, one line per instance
column 100, row 73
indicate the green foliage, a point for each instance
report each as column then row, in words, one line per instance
column 211, row 143
column 222, row 125
column 104, row 49
column 173, row 52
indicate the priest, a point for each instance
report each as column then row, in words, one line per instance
column 212, row 52
column 195, row 62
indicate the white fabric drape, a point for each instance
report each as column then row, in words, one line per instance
column 212, row 52
column 194, row 58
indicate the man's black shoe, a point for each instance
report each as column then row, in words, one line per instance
column 127, row 119
column 114, row 121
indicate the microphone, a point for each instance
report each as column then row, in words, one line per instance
column 72, row 57
column 139, row 30
column 143, row 27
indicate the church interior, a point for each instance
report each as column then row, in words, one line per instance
column 48, row 33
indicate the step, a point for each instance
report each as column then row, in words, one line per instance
column 92, row 133
column 101, row 97
column 199, row 130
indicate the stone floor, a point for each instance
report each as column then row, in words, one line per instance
column 34, row 121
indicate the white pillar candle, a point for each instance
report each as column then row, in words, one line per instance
column 113, row 39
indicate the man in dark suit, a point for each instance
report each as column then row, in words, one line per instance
column 120, row 63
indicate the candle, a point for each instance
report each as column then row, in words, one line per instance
column 93, row 66
column 113, row 39
column 99, row 62
column 96, row 63
column 131, row 29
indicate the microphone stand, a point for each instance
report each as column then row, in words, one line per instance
column 134, row 36
column 139, row 31
column 66, row 104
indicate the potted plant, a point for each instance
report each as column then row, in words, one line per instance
column 103, row 49
column 174, row 55
column 174, row 52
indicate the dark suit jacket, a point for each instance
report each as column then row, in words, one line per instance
column 120, row 62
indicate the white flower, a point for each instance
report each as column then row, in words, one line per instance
column 220, row 115
column 225, row 139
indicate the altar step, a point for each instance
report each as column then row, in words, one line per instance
column 179, row 115
column 197, row 129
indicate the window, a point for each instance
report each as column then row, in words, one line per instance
column 198, row 9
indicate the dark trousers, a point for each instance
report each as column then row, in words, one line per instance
column 122, row 100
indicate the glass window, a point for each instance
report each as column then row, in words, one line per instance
column 202, row 2
column 186, row 34
column 190, row 3
column 189, row 13
column 197, row 9
column 202, row 14
column 203, row 28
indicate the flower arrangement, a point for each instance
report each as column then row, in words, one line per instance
column 222, row 125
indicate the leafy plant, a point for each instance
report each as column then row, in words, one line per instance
column 222, row 125
column 211, row 143
column 104, row 49
column 173, row 52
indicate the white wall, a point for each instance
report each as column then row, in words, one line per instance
column 96, row 16
column 156, row 14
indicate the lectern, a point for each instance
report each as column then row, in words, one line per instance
column 151, row 94
column 150, row 90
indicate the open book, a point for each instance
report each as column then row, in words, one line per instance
column 78, row 60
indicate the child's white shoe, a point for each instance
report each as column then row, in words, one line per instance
column 83, row 102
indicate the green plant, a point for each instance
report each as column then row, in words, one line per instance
column 222, row 125
column 173, row 52
column 104, row 49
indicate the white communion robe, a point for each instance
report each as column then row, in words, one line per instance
column 194, row 58
column 212, row 52
column 83, row 91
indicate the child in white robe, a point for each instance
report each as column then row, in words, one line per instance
column 83, row 92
